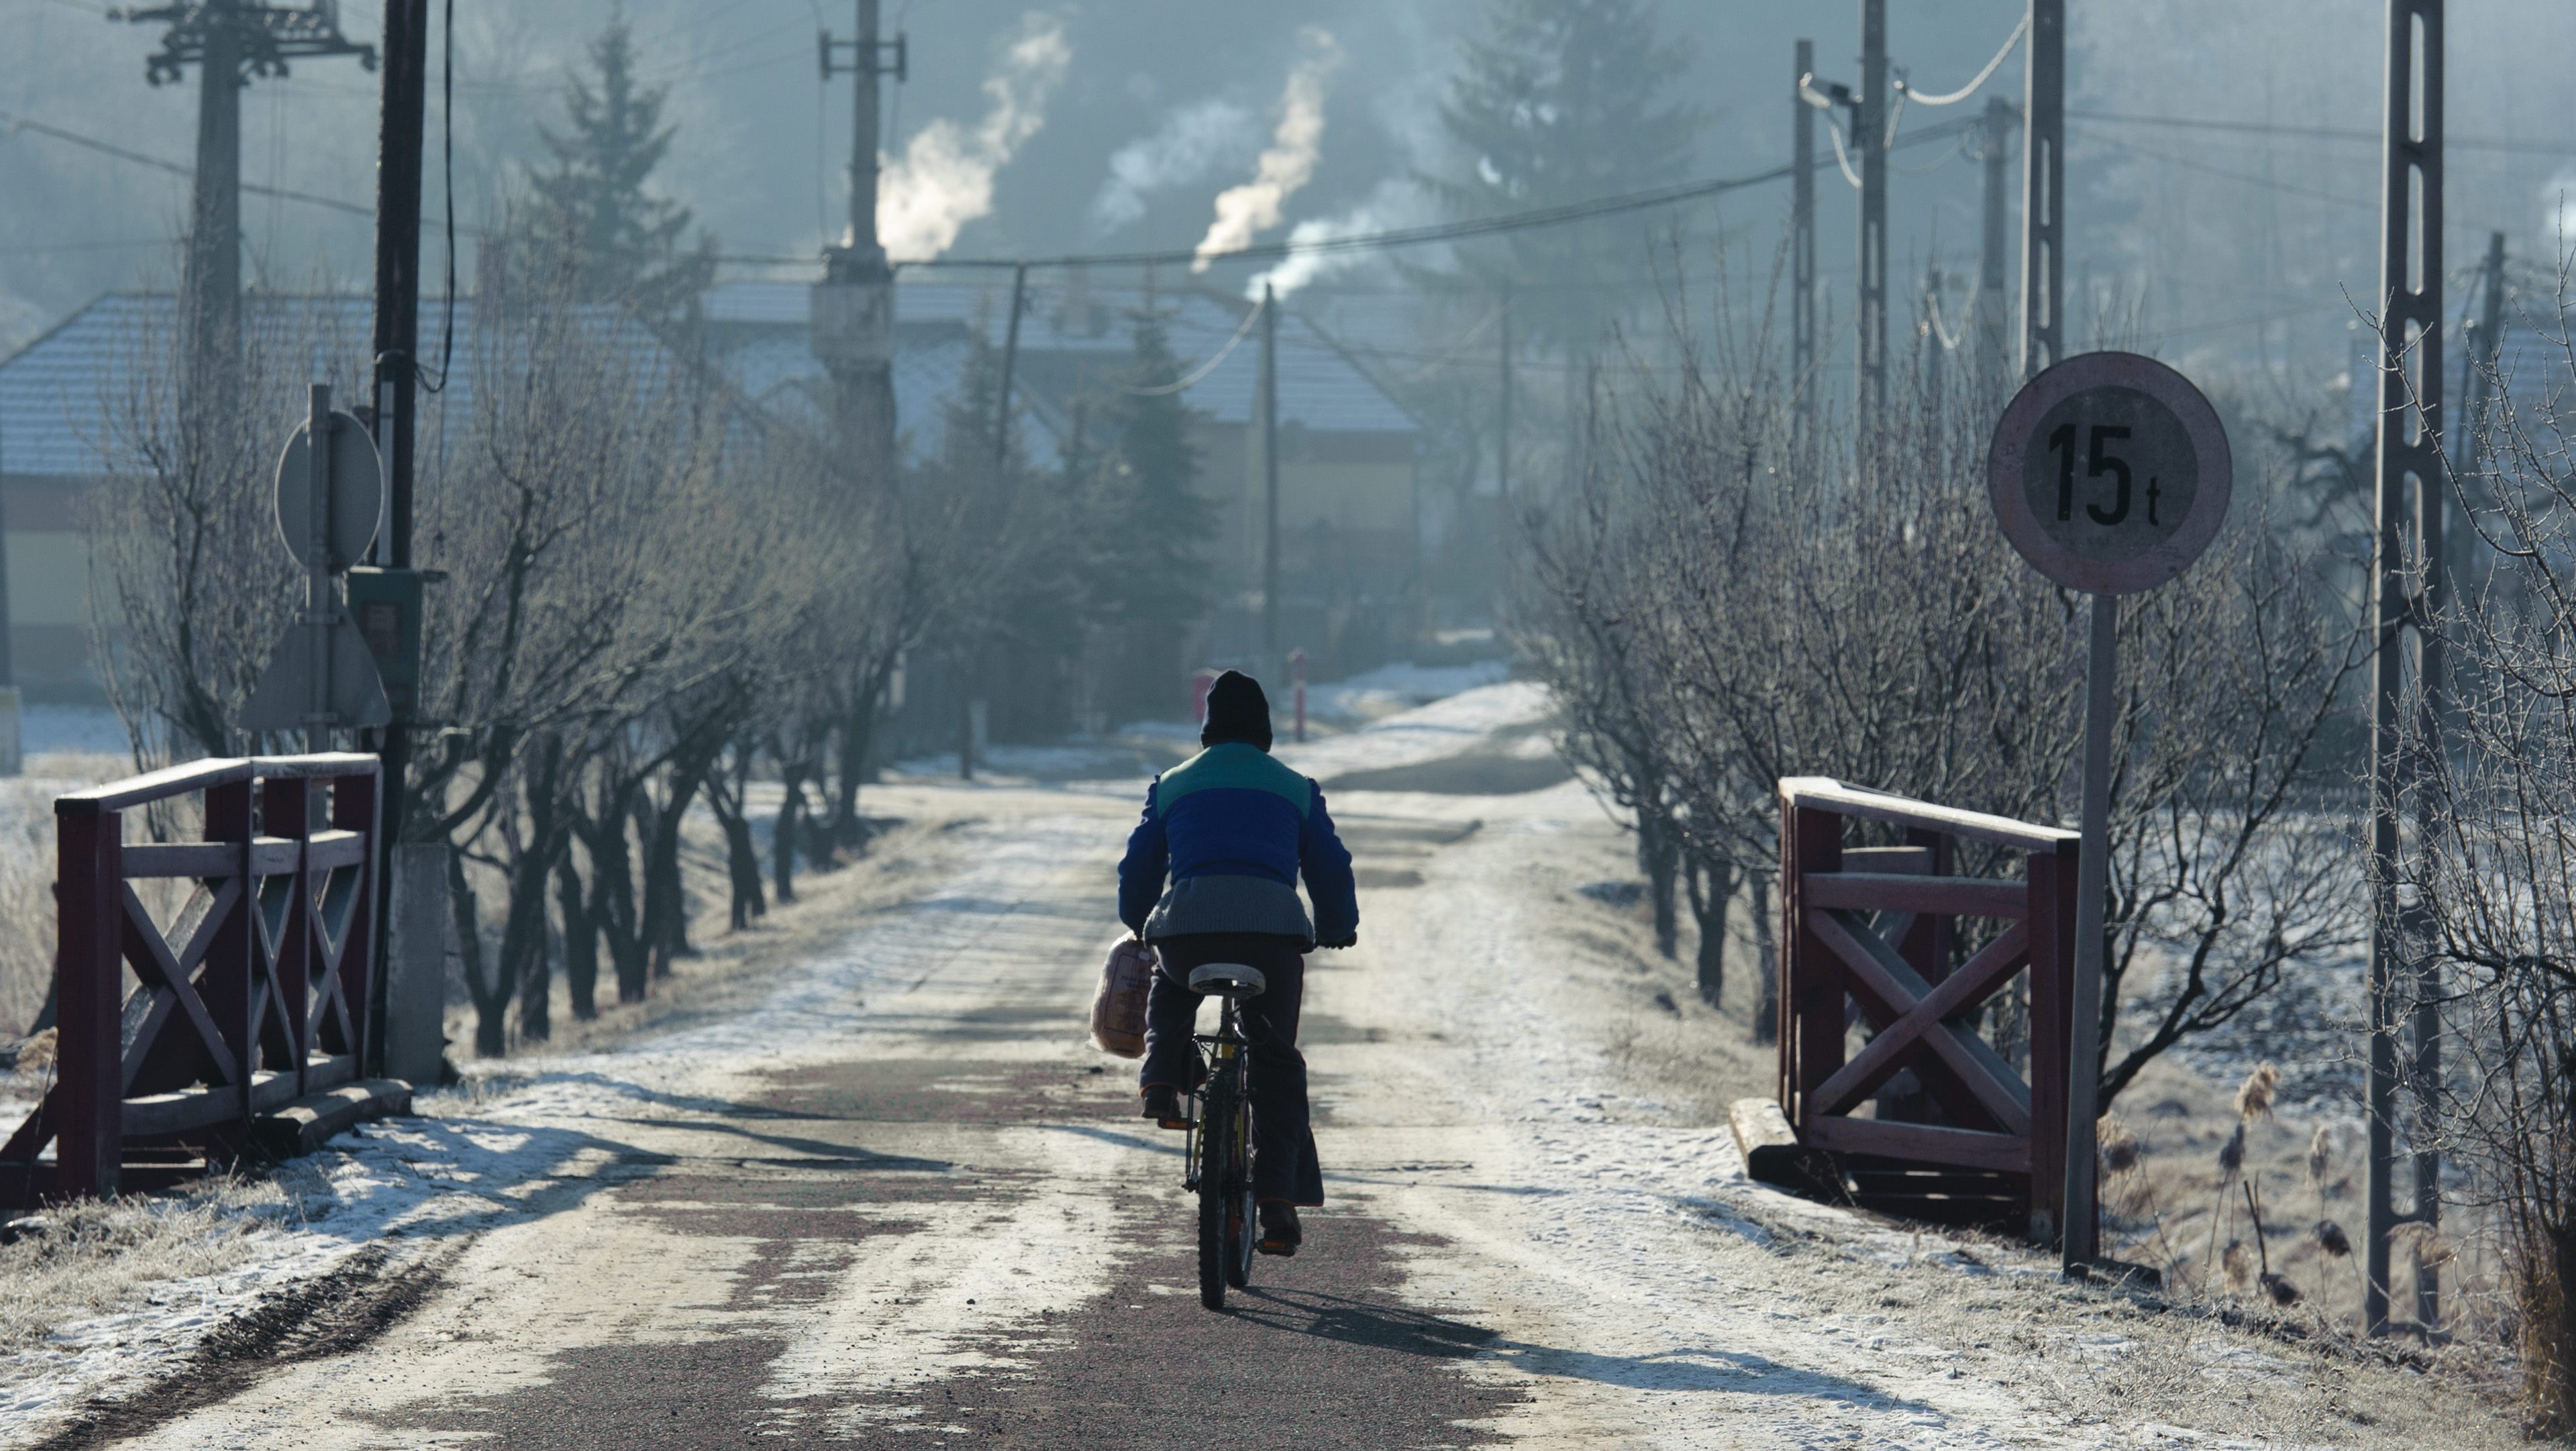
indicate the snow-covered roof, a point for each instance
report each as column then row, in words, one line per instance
column 59, row 393
column 1073, row 339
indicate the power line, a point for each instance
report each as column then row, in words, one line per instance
column 1562, row 215
column 2321, row 133
column 17, row 123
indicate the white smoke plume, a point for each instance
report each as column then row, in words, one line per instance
column 1192, row 143
column 944, row 179
column 1288, row 164
column 1394, row 202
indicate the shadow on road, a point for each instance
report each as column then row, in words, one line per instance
column 1361, row 1322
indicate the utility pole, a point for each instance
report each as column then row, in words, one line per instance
column 2477, row 370
column 1869, row 143
column 229, row 41
column 1991, row 310
column 1503, row 419
column 853, row 307
column 1934, row 344
column 2409, row 453
column 1010, row 365
column 1802, row 245
column 2043, row 188
column 1269, row 480
column 399, row 140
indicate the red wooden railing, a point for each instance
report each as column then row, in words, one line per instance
column 256, row 993
column 1868, row 941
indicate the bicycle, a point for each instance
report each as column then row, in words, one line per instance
column 1218, row 1152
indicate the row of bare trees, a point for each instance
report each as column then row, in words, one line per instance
column 2489, row 883
column 654, row 599
column 1736, row 591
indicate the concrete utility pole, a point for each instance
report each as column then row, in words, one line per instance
column 2043, row 188
column 2409, row 455
column 1010, row 366
column 1935, row 346
column 229, row 41
column 1869, row 145
column 1991, row 310
column 397, row 391
column 1269, row 481
column 853, row 307
column 1802, row 243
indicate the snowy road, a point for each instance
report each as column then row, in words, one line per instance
column 904, row 1204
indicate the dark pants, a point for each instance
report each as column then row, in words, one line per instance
column 1283, row 1146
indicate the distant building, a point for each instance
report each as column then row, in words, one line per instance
column 1349, row 506
column 62, row 394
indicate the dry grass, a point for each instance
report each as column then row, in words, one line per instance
column 2204, row 1354
column 27, row 876
column 91, row 1258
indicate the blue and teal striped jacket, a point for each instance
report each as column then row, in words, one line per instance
column 1233, row 829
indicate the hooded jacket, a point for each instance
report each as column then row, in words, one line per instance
column 1233, row 829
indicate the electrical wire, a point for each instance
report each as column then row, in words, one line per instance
column 1417, row 236
column 17, row 123
column 1970, row 89
column 1842, row 158
column 447, row 166
column 1165, row 390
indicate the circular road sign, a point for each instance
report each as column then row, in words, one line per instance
column 2110, row 473
column 357, row 493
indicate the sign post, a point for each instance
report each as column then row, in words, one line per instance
column 2110, row 474
column 330, row 498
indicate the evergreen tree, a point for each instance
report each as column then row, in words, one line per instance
column 593, row 218
column 1560, row 101
column 1149, row 526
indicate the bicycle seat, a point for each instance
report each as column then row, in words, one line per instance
column 1227, row 980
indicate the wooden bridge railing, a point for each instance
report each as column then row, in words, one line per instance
column 1868, row 941
column 255, row 994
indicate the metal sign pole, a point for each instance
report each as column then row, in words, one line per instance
column 317, row 574
column 2110, row 473
column 2092, row 888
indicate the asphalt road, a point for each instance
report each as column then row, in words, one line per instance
column 949, row 1231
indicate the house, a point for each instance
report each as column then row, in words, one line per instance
column 1349, row 505
column 73, row 401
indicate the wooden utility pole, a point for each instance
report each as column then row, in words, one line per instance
column 2043, row 187
column 853, row 307
column 1010, row 365
column 1869, row 145
column 2409, row 456
column 1503, row 419
column 1802, row 243
column 1991, row 307
column 1270, row 481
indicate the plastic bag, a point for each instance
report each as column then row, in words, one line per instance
column 1118, row 1009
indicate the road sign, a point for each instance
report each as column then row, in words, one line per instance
column 2110, row 473
column 356, row 480
column 322, row 675
column 348, row 694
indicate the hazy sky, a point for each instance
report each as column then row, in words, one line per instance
column 1119, row 123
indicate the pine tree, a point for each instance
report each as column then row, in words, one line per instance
column 592, row 217
column 1150, row 527
column 1560, row 101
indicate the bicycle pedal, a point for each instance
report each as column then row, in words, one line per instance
column 1176, row 1123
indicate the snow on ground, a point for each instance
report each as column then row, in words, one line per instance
column 1429, row 733
column 1398, row 687
column 497, row 1149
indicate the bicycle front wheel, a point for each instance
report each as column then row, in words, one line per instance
column 1218, row 1126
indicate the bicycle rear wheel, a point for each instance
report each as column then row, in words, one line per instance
column 1218, row 1127
column 1241, row 1233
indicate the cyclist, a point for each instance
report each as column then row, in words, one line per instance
column 1233, row 829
